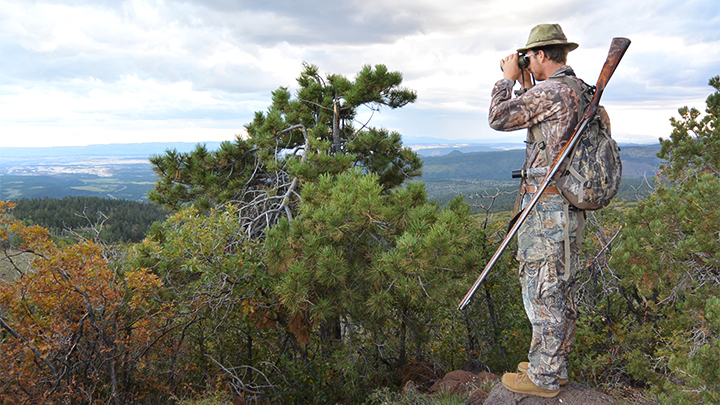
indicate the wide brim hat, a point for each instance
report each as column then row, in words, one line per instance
column 547, row 34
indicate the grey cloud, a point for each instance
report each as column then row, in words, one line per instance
column 662, row 76
column 208, row 25
column 622, row 89
column 335, row 34
column 225, row 114
column 694, row 21
column 307, row 22
column 60, row 67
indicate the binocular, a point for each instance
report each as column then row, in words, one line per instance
column 523, row 61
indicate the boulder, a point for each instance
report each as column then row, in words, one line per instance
column 460, row 381
column 409, row 388
column 476, row 397
column 422, row 374
column 570, row 394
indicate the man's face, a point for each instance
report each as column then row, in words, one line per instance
column 534, row 65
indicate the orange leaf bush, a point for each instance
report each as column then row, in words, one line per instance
column 73, row 329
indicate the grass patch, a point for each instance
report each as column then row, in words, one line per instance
column 212, row 398
column 386, row 397
column 100, row 185
column 23, row 261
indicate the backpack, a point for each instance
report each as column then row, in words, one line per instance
column 590, row 175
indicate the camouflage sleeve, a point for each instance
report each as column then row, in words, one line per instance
column 536, row 105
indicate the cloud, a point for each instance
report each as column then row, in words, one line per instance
column 125, row 64
column 127, row 100
column 308, row 23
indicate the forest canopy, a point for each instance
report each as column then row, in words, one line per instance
column 112, row 220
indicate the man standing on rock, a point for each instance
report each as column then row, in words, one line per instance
column 547, row 246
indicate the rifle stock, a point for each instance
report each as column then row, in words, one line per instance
column 617, row 50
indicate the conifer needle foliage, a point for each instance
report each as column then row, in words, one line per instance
column 296, row 140
column 661, row 319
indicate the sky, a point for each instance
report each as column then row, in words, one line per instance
column 112, row 71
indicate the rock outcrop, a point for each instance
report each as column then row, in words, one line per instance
column 570, row 394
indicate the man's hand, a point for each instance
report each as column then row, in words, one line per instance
column 510, row 68
column 512, row 71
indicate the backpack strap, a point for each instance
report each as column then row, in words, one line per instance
column 541, row 144
column 566, row 235
column 538, row 136
column 583, row 101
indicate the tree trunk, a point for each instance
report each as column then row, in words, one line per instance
column 497, row 333
column 336, row 127
column 402, row 358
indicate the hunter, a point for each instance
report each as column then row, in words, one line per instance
column 547, row 244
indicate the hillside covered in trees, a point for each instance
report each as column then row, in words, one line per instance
column 300, row 265
column 110, row 220
column 484, row 178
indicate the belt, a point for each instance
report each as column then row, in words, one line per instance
column 533, row 190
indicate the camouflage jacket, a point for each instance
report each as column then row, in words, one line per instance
column 550, row 107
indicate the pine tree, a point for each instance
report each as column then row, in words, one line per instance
column 361, row 269
column 670, row 256
column 294, row 142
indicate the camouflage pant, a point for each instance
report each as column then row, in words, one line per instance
column 548, row 287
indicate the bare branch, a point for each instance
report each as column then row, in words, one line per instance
column 240, row 387
column 29, row 345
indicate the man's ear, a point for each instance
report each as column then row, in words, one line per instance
column 541, row 56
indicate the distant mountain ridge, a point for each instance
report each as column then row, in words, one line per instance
column 114, row 149
column 123, row 171
column 422, row 146
column 639, row 161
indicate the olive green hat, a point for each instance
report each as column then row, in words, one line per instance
column 547, row 34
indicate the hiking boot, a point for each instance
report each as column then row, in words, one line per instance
column 522, row 368
column 521, row 383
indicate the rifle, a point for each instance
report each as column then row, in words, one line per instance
column 617, row 50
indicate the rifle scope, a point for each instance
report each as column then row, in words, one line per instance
column 534, row 172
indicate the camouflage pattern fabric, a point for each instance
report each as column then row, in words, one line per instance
column 550, row 106
column 548, row 292
column 591, row 175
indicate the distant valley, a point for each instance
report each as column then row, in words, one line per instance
column 124, row 172
column 117, row 171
